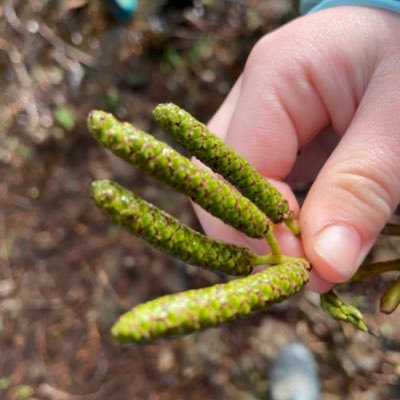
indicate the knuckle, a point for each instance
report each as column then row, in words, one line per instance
column 369, row 195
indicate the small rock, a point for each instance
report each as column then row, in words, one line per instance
column 294, row 375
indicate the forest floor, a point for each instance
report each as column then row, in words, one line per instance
column 67, row 272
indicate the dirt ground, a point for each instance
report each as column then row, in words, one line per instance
column 67, row 272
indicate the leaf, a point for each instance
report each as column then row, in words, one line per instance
column 65, row 118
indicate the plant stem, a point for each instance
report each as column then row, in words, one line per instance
column 276, row 256
column 293, row 226
column 375, row 269
column 274, row 259
column 273, row 243
column 391, row 230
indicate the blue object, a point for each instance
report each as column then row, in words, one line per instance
column 315, row 5
column 122, row 10
column 294, row 374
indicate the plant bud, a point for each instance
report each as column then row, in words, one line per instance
column 391, row 297
column 336, row 308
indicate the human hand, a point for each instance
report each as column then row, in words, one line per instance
column 336, row 68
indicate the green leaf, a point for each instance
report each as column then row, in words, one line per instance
column 24, row 392
column 5, row 383
column 65, row 118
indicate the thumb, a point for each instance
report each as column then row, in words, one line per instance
column 358, row 188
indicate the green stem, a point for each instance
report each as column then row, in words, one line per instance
column 273, row 243
column 274, row 259
column 276, row 256
column 292, row 225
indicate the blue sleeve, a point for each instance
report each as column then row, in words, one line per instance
column 309, row 6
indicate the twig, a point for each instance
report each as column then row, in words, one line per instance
column 58, row 43
column 100, row 278
column 28, row 98
column 11, row 17
column 391, row 229
column 4, row 259
column 53, row 393
column 375, row 269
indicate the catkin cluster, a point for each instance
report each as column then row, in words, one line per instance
column 212, row 151
column 164, row 163
column 252, row 209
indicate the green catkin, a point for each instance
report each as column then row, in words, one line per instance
column 212, row 151
column 161, row 161
column 336, row 308
column 390, row 299
column 167, row 233
column 193, row 310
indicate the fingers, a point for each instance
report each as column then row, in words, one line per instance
column 275, row 107
column 311, row 158
column 297, row 81
column 216, row 229
column 358, row 188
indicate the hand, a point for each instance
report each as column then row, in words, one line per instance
column 337, row 68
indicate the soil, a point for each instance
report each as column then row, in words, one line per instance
column 67, row 272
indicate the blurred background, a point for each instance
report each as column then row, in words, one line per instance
column 67, row 272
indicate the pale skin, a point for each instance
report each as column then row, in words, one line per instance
column 337, row 69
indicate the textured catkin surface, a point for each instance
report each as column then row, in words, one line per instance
column 212, row 151
column 164, row 163
column 167, row 233
column 197, row 309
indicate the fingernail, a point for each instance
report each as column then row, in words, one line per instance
column 339, row 246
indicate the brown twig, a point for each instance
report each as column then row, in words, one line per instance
column 375, row 269
column 4, row 256
column 391, row 229
column 69, row 50
column 53, row 393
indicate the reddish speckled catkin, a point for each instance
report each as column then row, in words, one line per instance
column 210, row 149
column 192, row 310
column 163, row 162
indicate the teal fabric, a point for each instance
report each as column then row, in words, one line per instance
column 309, row 6
column 122, row 10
